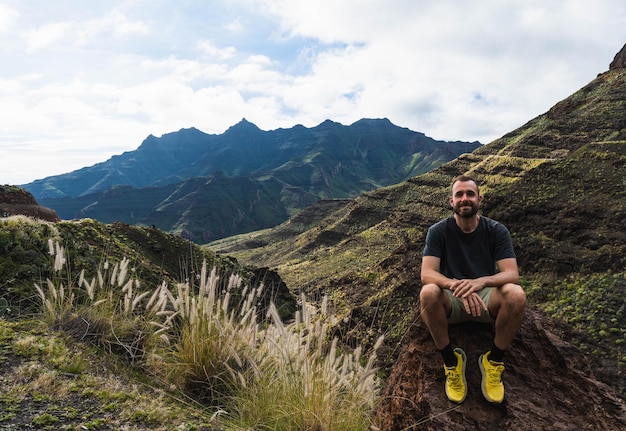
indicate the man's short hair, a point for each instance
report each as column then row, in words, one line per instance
column 464, row 178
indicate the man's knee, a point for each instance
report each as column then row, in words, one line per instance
column 430, row 294
column 514, row 295
column 429, row 291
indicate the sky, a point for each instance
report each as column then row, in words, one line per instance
column 82, row 81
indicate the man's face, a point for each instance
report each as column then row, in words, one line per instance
column 465, row 200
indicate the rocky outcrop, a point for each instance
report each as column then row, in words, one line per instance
column 17, row 201
column 620, row 60
column 549, row 385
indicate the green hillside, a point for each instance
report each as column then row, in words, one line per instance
column 557, row 182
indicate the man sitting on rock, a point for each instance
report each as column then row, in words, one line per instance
column 469, row 273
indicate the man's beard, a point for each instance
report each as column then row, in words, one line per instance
column 463, row 211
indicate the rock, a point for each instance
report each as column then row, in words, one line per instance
column 549, row 385
column 17, row 201
column 619, row 61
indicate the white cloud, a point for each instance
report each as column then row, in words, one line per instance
column 435, row 55
column 92, row 79
column 9, row 86
column 8, row 16
column 81, row 33
column 213, row 51
column 234, row 26
column 122, row 26
column 46, row 35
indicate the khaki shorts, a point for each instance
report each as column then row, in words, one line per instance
column 458, row 314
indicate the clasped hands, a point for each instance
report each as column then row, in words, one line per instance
column 466, row 290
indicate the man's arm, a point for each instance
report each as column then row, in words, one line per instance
column 507, row 273
column 431, row 274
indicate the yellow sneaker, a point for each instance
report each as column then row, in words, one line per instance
column 491, row 383
column 456, row 385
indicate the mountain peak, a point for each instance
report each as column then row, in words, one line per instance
column 619, row 62
column 243, row 126
column 329, row 123
column 374, row 121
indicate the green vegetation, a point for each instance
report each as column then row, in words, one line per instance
column 23, row 247
column 206, row 340
column 594, row 309
column 50, row 381
column 593, row 303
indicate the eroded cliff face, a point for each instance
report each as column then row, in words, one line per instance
column 549, row 385
column 620, row 60
column 17, row 201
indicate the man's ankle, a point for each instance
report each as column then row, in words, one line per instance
column 497, row 354
column 449, row 358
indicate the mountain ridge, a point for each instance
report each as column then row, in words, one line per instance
column 244, row 179
column 187, row 164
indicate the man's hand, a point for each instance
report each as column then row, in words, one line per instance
column 463, row 288
column 466, row 291
column 474, row 304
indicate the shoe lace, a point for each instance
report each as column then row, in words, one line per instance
column 454, row 378
column 494, row 373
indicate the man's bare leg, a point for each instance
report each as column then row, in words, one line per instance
column 435, row 307
column 507, row 303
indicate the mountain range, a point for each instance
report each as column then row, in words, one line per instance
column 205, row 187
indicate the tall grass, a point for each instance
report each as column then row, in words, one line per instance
column 211, row 337
column 267, row 374
column 257, row 371
column 104, row 310
column 298, row 382
column 57, row 300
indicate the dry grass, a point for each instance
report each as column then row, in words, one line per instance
column 256, row 371
column 297, row 381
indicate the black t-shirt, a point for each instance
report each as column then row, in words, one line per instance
column 470, row 255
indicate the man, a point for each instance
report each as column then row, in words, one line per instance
column 469, row 273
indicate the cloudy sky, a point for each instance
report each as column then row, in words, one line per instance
column 82, row 80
